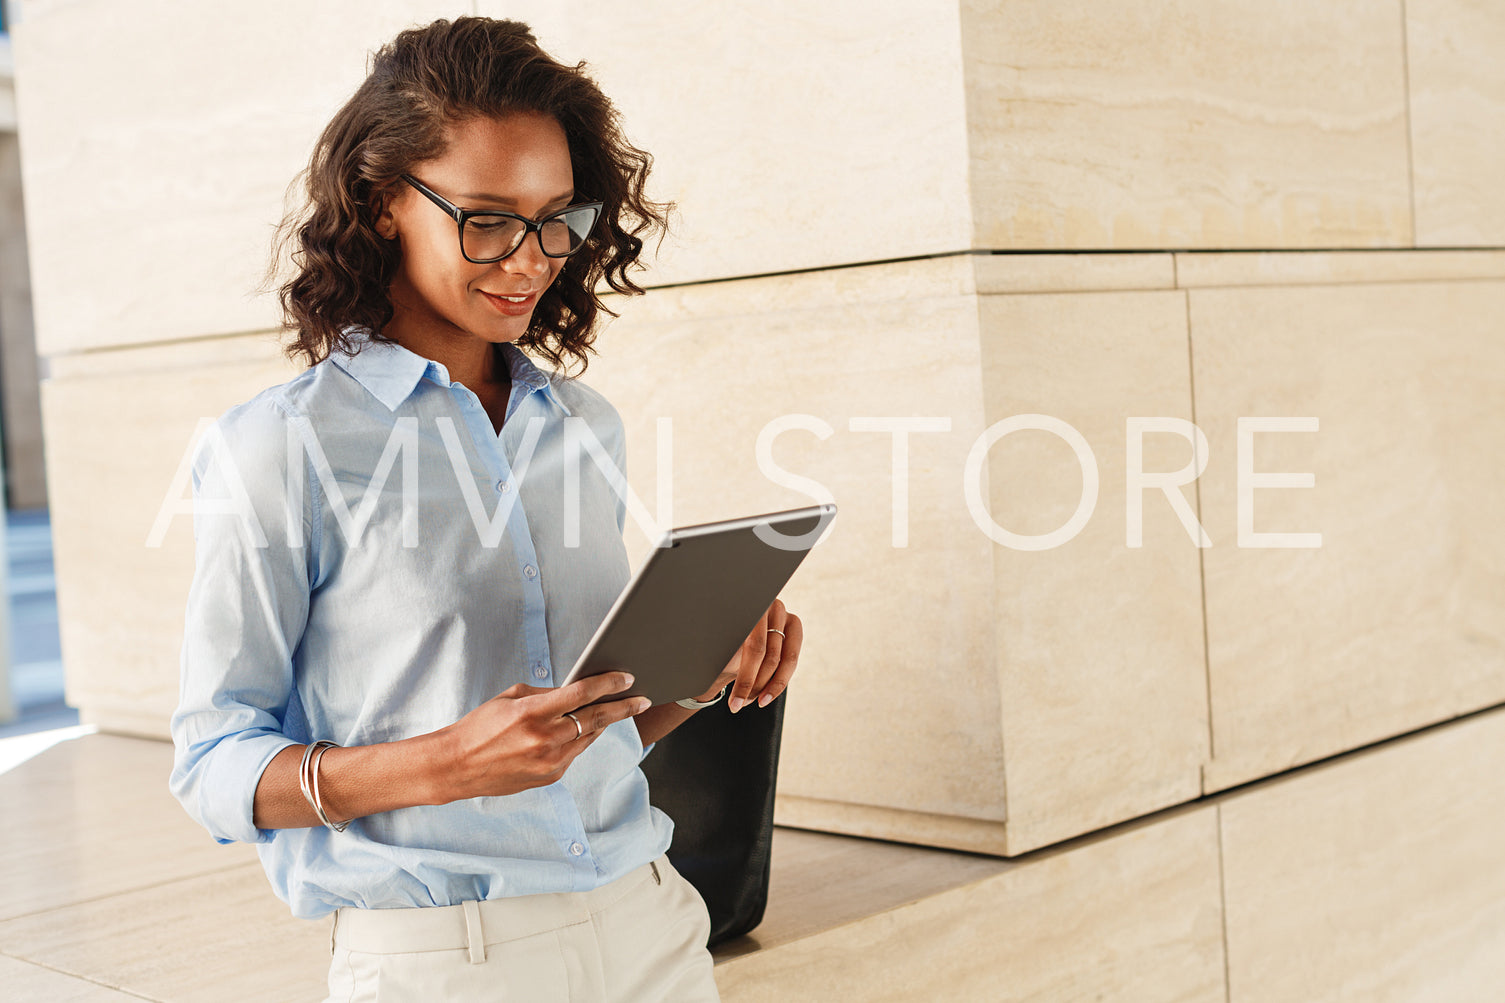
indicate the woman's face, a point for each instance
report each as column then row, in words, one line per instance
column 520, row 163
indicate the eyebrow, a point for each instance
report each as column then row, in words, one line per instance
column 483, row 197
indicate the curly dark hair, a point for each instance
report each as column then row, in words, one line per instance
column 421, row 81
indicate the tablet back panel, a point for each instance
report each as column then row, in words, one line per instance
column 688, row 609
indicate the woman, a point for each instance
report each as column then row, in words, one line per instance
column 391, row 585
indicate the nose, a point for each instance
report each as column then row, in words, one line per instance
column 528, row 259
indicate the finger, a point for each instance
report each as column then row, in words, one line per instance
column 754, row 649
column 753, row 673
column 573, row 728
column 777, row 635
column 776, row 614
column 774, row 620
column 793, row 641
column 596, row 718
column 599, row 717
column 573, row 747
column 584, row 691
column 517, row 690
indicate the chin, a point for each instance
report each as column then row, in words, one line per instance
column 510, row 329
column 513, row 335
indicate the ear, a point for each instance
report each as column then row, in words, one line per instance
column 385, row 224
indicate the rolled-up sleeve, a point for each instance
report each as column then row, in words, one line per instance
column 246, row 611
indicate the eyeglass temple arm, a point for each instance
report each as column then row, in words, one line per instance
column 454, row 211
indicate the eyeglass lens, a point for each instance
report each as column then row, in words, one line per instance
column 497, row 236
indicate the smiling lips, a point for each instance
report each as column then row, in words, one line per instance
column 512, row 306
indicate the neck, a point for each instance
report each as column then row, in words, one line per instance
column 473, row 362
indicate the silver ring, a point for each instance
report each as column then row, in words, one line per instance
column 775, row 630
column 578, row 729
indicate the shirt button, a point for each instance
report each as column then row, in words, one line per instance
column 503, row 486
column 540, row 672
column 576, row 849
column 530, row 571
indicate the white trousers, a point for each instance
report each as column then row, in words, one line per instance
column 640, row 938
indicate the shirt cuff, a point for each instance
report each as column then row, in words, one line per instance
column 227, row 792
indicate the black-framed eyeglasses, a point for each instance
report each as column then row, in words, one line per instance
column 489, row 235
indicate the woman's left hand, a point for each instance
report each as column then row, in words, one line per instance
column 761, row 668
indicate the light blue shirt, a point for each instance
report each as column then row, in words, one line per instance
column 465, row 581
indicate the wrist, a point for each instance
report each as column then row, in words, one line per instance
column 438, row 759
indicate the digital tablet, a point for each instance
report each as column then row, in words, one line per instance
column 694, row 600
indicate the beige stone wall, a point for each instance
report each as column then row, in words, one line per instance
column 968, row 694
column 1205, row 212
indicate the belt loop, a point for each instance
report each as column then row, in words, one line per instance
column 656, row 879
column 474, row 933
column 333, row 925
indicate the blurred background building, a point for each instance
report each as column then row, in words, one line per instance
column 25, row 480
column 1127, row 767
column 31, row 691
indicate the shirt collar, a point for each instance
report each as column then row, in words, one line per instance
column 391, row 372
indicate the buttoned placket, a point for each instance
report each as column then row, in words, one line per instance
column 488, row 444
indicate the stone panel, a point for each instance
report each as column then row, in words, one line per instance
column 898, row 647
column 118, row 426
column 186, row 124
column 907, row 643
column 1376, row 877
column 818, row 133
column 1073, row 273
column 1457, row 88
column 1396, row 620
column 1182, row 123
column 1132, row 916
column 1099, row 642
column 1277, row 268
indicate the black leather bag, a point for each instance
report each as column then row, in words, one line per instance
column 714, row 776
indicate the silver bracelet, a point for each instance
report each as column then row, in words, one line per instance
column 309, row 780
column 691, row 704
column 308, row 793
column 318, row 802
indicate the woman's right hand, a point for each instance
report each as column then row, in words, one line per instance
column 521, row 738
